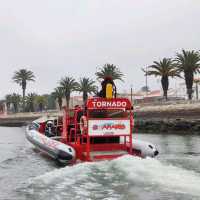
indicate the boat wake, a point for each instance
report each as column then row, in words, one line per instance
column 124, row 178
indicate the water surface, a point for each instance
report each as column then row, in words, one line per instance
column 27, row 174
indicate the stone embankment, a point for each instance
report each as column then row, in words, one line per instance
column 183, row 118
column 17, row 120
column 22, row 119
column 176, row 118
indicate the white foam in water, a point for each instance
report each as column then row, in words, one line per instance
column 148, row 172
column 166, row 177
column 79, row 170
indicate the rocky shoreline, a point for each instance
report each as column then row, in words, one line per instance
column 183, row 119
column 178, row 126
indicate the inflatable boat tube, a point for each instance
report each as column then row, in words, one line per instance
column 63, row 153
column 144, row 149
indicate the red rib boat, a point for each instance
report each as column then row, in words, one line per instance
column 99, row 130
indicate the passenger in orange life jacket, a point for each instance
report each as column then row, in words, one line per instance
column 107, row 80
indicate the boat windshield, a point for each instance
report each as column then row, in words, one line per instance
column 114, row 113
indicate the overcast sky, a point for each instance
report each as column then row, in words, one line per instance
column 74, row 37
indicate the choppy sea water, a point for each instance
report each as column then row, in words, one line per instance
column 27, row 174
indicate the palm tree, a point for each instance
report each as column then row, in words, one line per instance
column 2, row 106
column 58, row 95
column 41, row 102
column 8, row 101
column 86, row 85
column 51, row 104
column 188, row 62
column 109, row 70
column 30, row 101
column 16, row 99
column 164, row 68
column 21, row 77
column 145, row 89
column 68, row 84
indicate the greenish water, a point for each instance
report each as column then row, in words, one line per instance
column 27, row 174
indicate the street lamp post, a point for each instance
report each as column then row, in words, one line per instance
column 131, row 94
column 146, row 82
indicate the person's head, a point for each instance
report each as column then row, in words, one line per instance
column 49, row 124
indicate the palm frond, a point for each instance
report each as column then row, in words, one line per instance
column 86, row 85
column 109, row 70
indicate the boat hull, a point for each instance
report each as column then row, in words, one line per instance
column 63, row 153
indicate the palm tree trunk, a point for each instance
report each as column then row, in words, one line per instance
column 197, row 91
column 85, row 97
column 189, row 83
column 165, row 85
column 15, row 107
column 67, row 102
column 189, row 91
column 31, row 108
column 8, row 106
column 60, row 103
column 67, row 97
column 40, row 107
column 165, row 94
column 23, row 99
